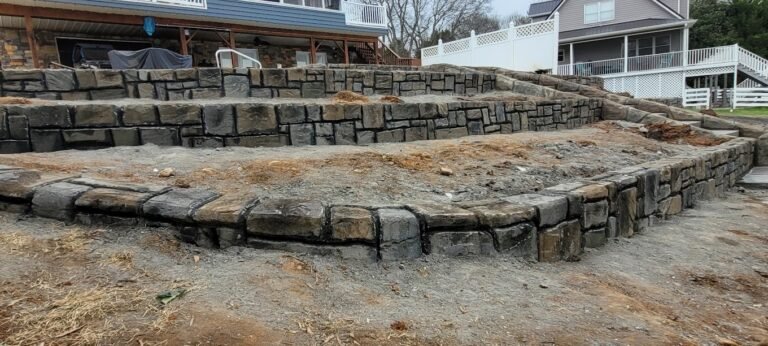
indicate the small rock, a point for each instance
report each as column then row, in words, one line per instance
column 166, row 173
column 446, row 171
column 543, row 285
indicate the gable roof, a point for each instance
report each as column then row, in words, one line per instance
column 548, row 8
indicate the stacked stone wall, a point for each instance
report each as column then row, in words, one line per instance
column 44, row 128
column 208, row 83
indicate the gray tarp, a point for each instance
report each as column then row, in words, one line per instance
column 150, row 58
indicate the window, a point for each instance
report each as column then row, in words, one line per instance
column 226, row 58
column 650, row 45
column 600, row 11
column 561, row 55
column 302, row 58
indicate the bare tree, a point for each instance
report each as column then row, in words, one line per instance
column 412, row 22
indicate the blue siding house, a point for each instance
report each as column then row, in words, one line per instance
column 278, row 33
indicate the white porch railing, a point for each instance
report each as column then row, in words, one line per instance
column 706, row 56
column 364, row 15
column 182, row 3
column 527, row 47
column 697, row 98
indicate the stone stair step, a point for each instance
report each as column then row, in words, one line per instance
column 734, row 133
column 692, row 123
column 757, row 178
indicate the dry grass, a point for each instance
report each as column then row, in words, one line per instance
column 74, row 241
column 8, row 100
column 122, row 259
column 349, row 97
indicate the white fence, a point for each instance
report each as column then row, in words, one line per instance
column 751, row 97
column 697, row 98
column 529, row 47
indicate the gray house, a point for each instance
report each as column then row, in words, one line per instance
column 283, row 33
column 597, row 30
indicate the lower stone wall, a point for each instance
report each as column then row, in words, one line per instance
column 555, row 224
column 44, row 128
column 595, row 82
column 213, row 83
column 673, row 101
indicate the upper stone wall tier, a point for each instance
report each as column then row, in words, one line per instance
column 229, row 122
column 213, row 83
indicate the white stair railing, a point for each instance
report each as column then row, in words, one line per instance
column 753, row 62
column 227, row 50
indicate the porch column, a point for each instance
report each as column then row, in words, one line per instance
column 232, row 46
column 570, row 56
column 376, row 51
column 32, row 41
column 312, row 52
column 626, row 53
column 184, row 48
column 686, row 46
column 346, row 52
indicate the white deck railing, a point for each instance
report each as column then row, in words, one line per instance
column 365, row 15
column 751, row 97
column 181, row 3
column 705, row 56
column 527, row 47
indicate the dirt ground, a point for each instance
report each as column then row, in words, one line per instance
column 700, row 278
column 469, row 168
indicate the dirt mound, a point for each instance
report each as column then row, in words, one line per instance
column 7, row 100
column 681, row 134
column 391, row 99
column 347, row 96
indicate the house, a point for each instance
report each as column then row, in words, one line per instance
column 642, row 47
column 278, row 33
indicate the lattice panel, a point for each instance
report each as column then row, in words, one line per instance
column 709, row 71
column 535, row 29
column 456, row 46
column 493, row 37
column 648, row 86
column 429, row 52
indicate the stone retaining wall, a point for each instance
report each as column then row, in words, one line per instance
column 214, row 83
column 44, row 128
column 555, row 224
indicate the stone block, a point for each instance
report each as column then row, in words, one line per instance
column 455, row 244
column 177, row 204
column 86, row 79
column 352, row 224
column 499, row 213
column 46, row 140
column 256, row 119
column 236, row 86
column 14, row 146
column 333, row 112
column 112, row 201
column 87, row 138
column 562, row 242
column 437, row 216
column 391, row 136
column 254, row 141
column 344, row 133
column 59, row 80
column 108, row 94
column 13, row 75
column 451, row 133
column 291, row 113
column 95, row 115
column 302, row 134
column 44, row 116
column 357, row 252
column 286, row 218
column 179, row 114
column 595, row 238
column 228, row 211
column 229, row 237
column 18, row 185
column 161, row 136
column 551, row 209
column 518, row 240
column 413, row 134
column 125, row 137
column 274, row 77
column 595, row 214
column 108, row 78
column 209, row 77
column 255, row 75
column 57, row 201
column 405, row 111
column 139, row 114
column 626, row 213
column 312, row 89
column 373, row 116
column 219, row 120
column 18, row 127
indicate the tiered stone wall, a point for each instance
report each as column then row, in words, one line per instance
column 207, row 83
column 555, row 224
column 44, row 128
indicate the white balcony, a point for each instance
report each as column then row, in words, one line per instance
column 359, row 14
column 181, row 3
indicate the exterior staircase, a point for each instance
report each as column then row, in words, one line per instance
column 753, row 66
column 385, row 56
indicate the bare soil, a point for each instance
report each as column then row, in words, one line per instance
column 698, row 279
column 481, row 166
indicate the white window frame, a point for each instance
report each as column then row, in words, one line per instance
column 601, row 14
column 226, row 58
column 319, row 57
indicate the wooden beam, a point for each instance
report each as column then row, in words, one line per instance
column 376, row 51
column 312, row 51
column 232, row 46
column 346, row 52
column 32, row 41
column 183, row 42
column 111, row 18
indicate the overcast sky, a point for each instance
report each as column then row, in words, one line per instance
column 505, row 7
